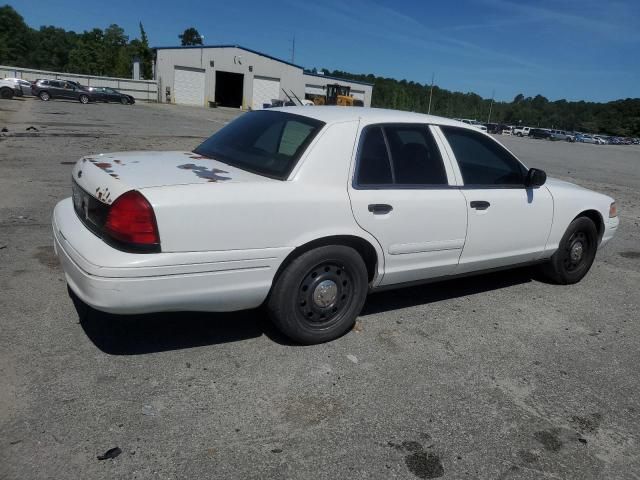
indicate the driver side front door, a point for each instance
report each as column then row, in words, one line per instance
column 507, row 222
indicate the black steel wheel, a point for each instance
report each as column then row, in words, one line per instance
column 575, row 254
column 319, row 294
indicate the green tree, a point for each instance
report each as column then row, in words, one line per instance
column 14, row 38
column 144, row 52
column 190, row 37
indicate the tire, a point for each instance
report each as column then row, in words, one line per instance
column 575, row 254
column 6, row 93
column 44, row 96
column 84, row 99
column 124, row 101
column 319, row 294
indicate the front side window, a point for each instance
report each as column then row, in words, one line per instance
column 483, row 161
column 400, row 155
column 262, row 142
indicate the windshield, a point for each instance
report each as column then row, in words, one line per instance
column 264, row 142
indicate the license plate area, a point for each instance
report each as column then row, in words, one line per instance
column 91, row 211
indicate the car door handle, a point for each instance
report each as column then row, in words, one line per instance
column 380, row 208
column 479, row 204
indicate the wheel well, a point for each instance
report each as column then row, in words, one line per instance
column 595, row 216
column 363, row 247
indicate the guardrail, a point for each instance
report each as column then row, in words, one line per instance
column 142, row 90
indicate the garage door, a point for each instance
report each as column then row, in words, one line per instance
column 314, row 89
column 358, row 94
column 265, row 89
column 188, row 86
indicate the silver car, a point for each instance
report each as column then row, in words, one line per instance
column 22, row 84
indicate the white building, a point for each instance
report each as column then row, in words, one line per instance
column 238, row 77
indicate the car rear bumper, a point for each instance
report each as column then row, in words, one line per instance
column 116, row 282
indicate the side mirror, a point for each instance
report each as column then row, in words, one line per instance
column 535, row 178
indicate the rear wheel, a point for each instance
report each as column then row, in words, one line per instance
column 84, row 99
column 319, row 294
column 575, row 254
column 44, row 96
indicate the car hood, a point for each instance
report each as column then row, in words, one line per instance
column 108, row 175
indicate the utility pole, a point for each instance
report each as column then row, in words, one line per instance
column 493, row 94
column 293, row 49
column 431, row 93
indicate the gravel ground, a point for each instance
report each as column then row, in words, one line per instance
column 494, row 377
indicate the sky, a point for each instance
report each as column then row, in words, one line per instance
column 562, row 49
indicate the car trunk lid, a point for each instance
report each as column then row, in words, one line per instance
column 106, row 176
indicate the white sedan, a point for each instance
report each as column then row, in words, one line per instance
column 306, row 210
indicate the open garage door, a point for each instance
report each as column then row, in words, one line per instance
column 188, row 86
column 265, row 89
column 229, row 87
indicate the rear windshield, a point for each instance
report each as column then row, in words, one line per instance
column 264, row 142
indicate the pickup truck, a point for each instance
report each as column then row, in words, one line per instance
column 521, row 131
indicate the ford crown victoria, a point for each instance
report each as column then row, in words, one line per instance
column 306, row 210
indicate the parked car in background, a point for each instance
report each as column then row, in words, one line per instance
column 562, row 135
column 23, row 85
column 62, row 89
column 494, row 128
column 585, row 138
column 521, row 131
column 106, row 94
column 9, row 89
column 507, row 130
column 473, row 123
column 349, row 191
column 540, row 133
column 600, row 140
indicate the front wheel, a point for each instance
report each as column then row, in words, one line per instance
column 575, row 254
column 319, row 294
column 6, row 93
column 124, row 101
column 44, row 96
column 84, row 99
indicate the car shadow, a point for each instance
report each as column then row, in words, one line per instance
column 384, row 301
column 160, row 332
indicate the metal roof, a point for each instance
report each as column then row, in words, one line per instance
column 320, row 75
column 230, row 46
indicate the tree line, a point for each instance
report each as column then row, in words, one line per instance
column 107, row 52
column 619, row 117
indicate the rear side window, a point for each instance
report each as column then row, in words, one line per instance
column 482, row 161
column 263, row 142
column 401, row 155
column 374, row 165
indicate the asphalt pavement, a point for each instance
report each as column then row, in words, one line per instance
column 501, row 376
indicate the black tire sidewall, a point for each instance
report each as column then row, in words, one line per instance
column 6, row 94
column 559, row 272
column 282, row 303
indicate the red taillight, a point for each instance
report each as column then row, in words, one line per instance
column 131, row 221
